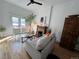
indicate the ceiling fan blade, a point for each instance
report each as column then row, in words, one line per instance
column 28, row 3
column 32, row 0
column 38, row 3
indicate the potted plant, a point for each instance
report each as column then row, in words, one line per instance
column 2, row 29
column 30, row 18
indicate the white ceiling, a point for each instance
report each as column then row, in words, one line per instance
column 23, row 3
column 45, row 2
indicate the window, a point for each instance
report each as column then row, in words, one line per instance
column 22, row 22
column 15, row 22
column 18, row 24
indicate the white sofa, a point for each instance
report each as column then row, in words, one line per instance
column 32, row 47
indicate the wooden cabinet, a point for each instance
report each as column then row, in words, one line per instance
column 70, row 32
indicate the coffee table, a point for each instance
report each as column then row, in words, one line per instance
column 26, row 37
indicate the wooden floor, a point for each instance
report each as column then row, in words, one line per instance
column 64, row 53
column 13, row 50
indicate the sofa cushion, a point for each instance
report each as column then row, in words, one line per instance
column 41, row 43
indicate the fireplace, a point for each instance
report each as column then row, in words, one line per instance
column 41, row 30
column 40, row 33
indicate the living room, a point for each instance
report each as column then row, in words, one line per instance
column 52, row 12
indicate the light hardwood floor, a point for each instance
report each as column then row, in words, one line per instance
column 63, row 53
column 13, row 50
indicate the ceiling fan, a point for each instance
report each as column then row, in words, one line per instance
column 33, row 2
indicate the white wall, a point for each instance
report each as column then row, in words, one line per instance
column 1, row 17
column 43, row 11
column 40, row 11
column 7, row 10
column 60, row 12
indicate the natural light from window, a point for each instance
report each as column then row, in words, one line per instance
column 19, row 25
